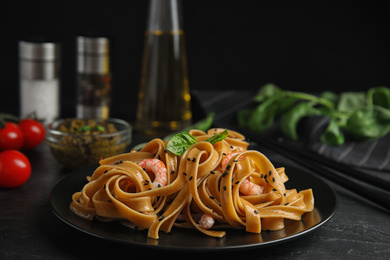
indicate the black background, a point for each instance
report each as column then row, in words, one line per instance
column 230, row 44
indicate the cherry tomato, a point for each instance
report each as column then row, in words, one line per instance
column 11, row 137
column 33, row 132
column 15, row 169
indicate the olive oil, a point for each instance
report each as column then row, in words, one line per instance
column 164, row 96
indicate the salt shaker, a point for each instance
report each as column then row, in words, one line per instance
column 93, row 77
column 39, row 69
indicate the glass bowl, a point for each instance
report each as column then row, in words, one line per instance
column 77, row 143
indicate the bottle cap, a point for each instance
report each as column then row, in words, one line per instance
column 39, row 59
column 93, row 55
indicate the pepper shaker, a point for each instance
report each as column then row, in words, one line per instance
column 39, row 70
column 93, row 77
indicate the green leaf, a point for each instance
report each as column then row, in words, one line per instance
column 351, row 101
column 330, row 96
column 180, row 142
column 203, row 125
column 267, row 91
column 290, row 120
column 263, row 116
column 218, row 137
column 369, row 123
column 84, row 128
column 379, row 96
column 333, row 135
column 100, row 128
column 243, row 116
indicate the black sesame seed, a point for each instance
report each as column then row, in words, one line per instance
column 212, row 172
column 224, row 153
column 165, row 151
column 262, row 176
column 194, row 159
column 190, row 178
column 224, row 173
column 185, row 174
column 188, row 159
column 270, row 173
column 256, row 211
column 105, row 171
column 228, row 167
column 172, row 172
column 237, row 182
column 161, row 218
column 211, row 197
column 224, row 187
column 273, row 179
column 284, row 194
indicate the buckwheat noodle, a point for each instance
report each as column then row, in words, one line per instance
column 197, row 183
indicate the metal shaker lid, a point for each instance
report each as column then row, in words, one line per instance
column 39, row 59
column 93, row 55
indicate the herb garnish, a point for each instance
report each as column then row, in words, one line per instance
column 365, row 116
column 180, row 142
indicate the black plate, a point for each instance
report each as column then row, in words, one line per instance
column 188, row 239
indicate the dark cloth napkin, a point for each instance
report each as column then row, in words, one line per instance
column 373, row 155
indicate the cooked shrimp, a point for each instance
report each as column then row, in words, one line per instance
column 158, row 168
column 226, row 160
column 206, row 221
column 247, row 187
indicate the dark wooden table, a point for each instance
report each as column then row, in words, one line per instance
column 30, row 230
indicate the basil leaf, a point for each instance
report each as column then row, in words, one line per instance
column 267, row 91
column 330, row 96
column 204, row 124
column 379, row 96
column 290, row 120
column 180, row 142
column 243, row 117
column 218, row 137
column 333, row 135
column 351, row 101
column 369, row 123
column 263, row 116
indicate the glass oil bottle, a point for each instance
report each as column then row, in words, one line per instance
column 164, row 96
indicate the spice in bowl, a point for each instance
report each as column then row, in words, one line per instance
column 78, row 143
